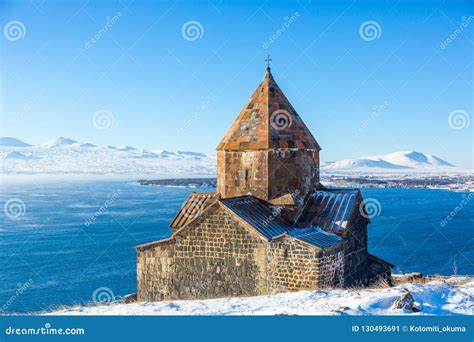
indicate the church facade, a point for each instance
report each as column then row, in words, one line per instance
column 270, row 227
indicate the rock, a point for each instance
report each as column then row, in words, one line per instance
column 130, row 298
column 408, row 277
column 406, row 302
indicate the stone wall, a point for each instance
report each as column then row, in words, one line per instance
column 356, row 254
column 267, row 174
column 292, row 265
column 331, row 266
column 217, row 257
column 242, row 173
column 292, row 171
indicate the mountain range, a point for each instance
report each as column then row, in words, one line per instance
column 392, row 161
column 62, row 156
column 61, row 142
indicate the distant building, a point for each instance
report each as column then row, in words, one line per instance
column 271, row 226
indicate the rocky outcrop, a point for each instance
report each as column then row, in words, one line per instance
column 406, row 302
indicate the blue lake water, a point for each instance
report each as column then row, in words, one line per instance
column 74, row 238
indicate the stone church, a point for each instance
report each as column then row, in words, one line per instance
column 271, row 226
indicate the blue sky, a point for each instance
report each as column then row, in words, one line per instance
column 168, row 92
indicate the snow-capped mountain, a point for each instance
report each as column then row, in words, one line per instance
column 126, row 148
column 12, row 142
column 403, row 160
column 60, row 142
column 415, row 159
column 64, row 156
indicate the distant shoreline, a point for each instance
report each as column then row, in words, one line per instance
column 181, row 182
column 461, row 184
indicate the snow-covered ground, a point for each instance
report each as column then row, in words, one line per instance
column 442, row 297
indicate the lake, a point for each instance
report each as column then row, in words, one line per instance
column 61, row 242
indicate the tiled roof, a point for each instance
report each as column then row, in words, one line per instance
column 325, row 211
column 258, row 215
column 316, row 237
column 193, row 207
column 329, row 209
column 268, row 120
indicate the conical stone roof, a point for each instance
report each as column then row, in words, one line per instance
column 268, row 121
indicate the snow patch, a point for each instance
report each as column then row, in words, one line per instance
column 433, row 298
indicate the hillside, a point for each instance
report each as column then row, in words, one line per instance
column 12, row 142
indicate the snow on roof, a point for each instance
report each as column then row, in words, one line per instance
column 329, row 209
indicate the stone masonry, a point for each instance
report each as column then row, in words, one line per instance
column 218, row 256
